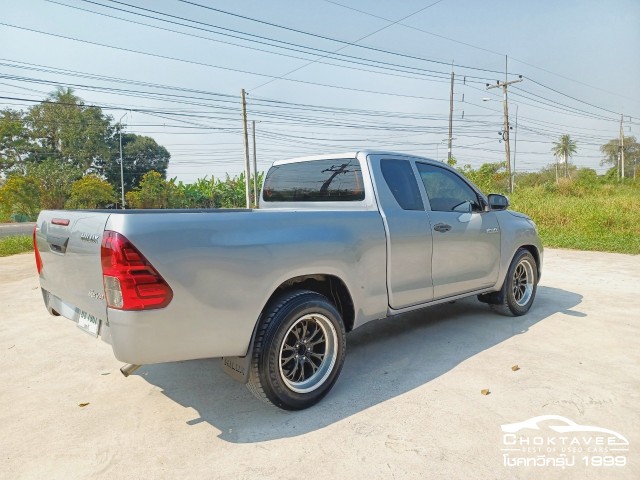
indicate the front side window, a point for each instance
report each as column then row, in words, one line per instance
column 447, row 192
column 334, row 180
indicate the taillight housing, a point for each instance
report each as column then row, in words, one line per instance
column 35, row 250
column 130, row 281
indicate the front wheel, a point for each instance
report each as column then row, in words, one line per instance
column 298, row 351
column 520, row 285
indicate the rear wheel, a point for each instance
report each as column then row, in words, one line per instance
column 519, row 288
column 298, row 351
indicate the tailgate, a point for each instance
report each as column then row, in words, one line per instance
column 71, row 277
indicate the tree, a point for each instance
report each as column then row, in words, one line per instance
column 588, row 177
column 14, row 140
column 20, row 195
column 490, row 177
column 154, row 192
column 140, row 154
column 91, row 192
column 64, row 129
column 200, row 194
column 54, row 179
column 611, row 151
column 564, row 148
column 231, row 192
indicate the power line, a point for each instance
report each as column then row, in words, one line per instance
column 193, row 62
column 254, row 73
column 351, row 44
column 379, row 50
column 306, row 121
column 574, row 80
column 415, row 28
column 558, row 105
column 573, row 98
column 259, row 102
column 555, row 108
column 486, row 50
column 223, row 98
column 288, row 46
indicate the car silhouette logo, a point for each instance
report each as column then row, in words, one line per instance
column 562, row 425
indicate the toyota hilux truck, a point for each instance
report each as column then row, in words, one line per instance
column 337, row 241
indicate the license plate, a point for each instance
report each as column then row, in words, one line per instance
column 88, row 323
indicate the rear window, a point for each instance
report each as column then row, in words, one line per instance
column 335, row 180
column 402, row 182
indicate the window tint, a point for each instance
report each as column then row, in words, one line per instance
column 335, row 180
column 447, row 192
column 402, row 182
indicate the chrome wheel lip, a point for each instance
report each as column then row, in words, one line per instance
column 320, row 376
column 523, row 282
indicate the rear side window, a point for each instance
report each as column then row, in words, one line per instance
column 402, row 182
column 335, row 180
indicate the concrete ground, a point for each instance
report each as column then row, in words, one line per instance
column 407, row 405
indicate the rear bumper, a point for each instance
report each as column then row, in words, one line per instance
column 156, row 336
column 58, row 307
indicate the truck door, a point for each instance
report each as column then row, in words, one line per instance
column 408, row 231
column 466, row 239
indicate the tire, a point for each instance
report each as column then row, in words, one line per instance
column 298, row 351
column 519, row 288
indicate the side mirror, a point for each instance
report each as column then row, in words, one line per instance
column 497, row 201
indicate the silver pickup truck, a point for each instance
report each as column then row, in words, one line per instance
column 338, row 241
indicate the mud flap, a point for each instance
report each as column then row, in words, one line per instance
column 237, row 367
column 494, row 298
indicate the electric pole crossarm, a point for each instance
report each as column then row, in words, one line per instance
column 503, row 84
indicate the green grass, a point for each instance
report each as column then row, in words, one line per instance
column 15, row 244
column 602, row 218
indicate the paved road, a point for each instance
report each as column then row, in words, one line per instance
column 8, row 229
column 408, row 403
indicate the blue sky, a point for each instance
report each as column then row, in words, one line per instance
column 585, row 49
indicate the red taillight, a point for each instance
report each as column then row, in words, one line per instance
column 37, row 253
column 130, row 281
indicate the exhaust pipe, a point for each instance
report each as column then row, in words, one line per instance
column 128, row 369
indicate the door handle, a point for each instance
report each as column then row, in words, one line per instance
column 58, row 244
column 441, row 227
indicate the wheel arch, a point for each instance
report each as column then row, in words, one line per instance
column 331, row 286
column 533, row 250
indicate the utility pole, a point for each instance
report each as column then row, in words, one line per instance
column 255, row 166
column 450, row 120
column 247, row 168
column 505, row 133
column 515, row 149
column 121, row 162
column 622, row 147
column 121, row 170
